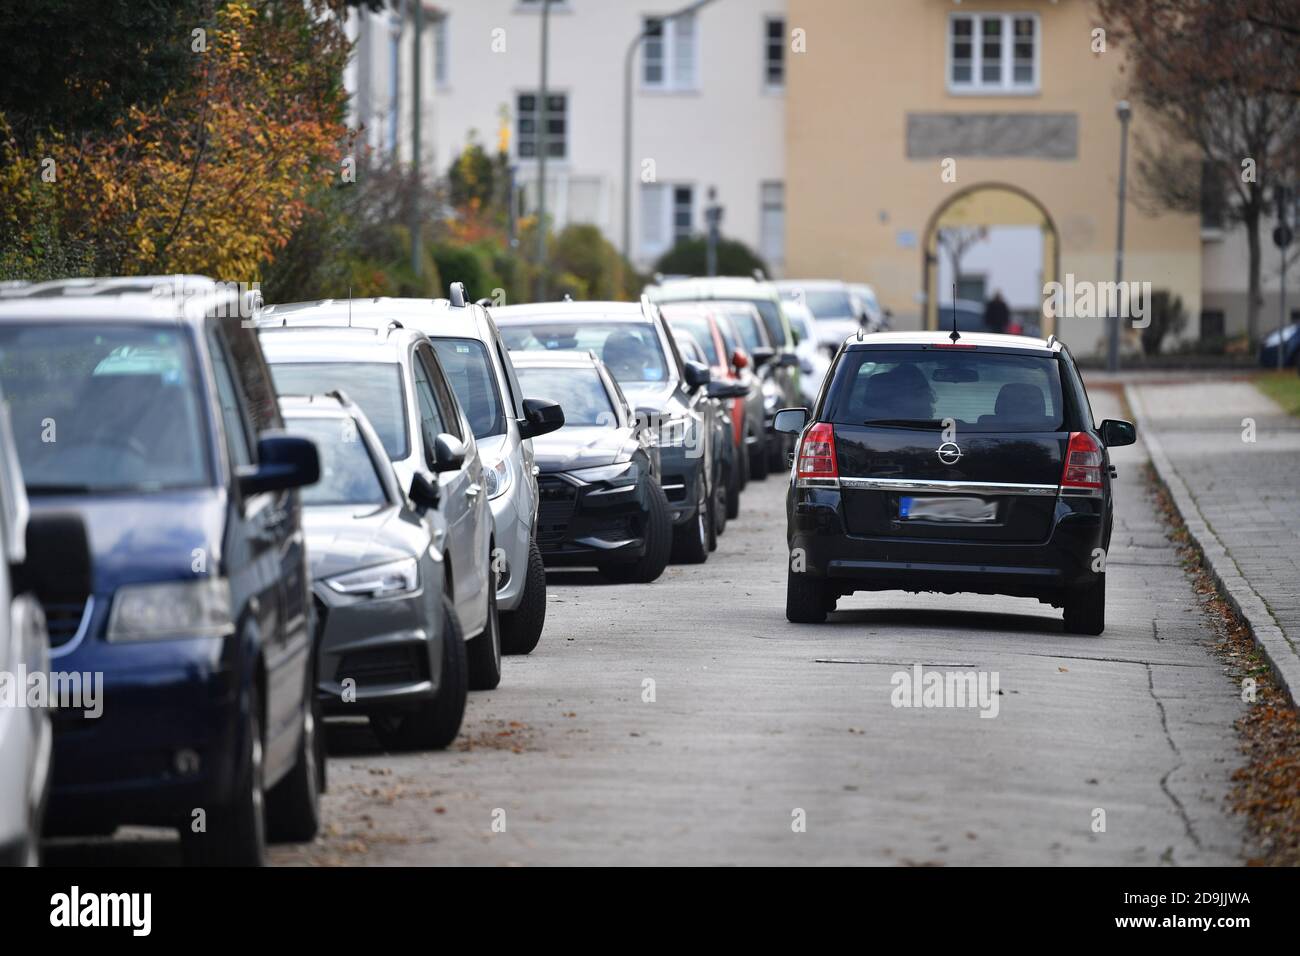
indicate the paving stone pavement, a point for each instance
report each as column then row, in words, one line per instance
column 1246, row 491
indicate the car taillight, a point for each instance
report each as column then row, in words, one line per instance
column 817, row 453
column 1083, row 463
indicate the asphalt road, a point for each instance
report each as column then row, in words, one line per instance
column 754, row 720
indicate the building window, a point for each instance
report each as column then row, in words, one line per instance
column 683, row 212
column 993, row 52
column 440, row 49
column 667, row 216
column 668, row 60
column 774, row 53
column 1212, row 324
column 527, row 124
column 771, row 240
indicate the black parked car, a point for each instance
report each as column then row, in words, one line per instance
column 601, row 502
column 666, row 392
column 934, row 465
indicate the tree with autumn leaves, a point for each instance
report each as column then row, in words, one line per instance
column 1221, row 79
column 212, row 174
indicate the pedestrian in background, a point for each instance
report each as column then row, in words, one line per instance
column 996, row 314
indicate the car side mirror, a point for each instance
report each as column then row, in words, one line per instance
column 696, row 375
column 448, row 453
column 57, row 568
column 541, row 417
column 739, row 360
column 791, row 420
column 1116, row 433
column 283, row 462
column 762, row 356
column 727, row 390
column 423, row 492
column 789, row 360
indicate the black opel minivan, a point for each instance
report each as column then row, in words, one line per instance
column 934, row 464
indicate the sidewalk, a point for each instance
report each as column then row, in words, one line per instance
column 1240, row 499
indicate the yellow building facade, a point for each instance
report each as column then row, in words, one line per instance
column 906, row 117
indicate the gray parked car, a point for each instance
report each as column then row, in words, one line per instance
column 391, row 646
column 393, row 373
column 504, row 423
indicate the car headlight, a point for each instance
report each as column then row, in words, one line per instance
column 382, row 580
column 670, row 434
column 624, row 473
column 496, row 478
column 160, row 612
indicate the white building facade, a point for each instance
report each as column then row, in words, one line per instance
column 707, row 109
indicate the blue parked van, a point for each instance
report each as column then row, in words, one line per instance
column 145, row 405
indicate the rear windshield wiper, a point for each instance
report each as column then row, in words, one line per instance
column 905, row 422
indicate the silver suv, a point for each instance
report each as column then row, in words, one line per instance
column 504, row 423
column 364, row 349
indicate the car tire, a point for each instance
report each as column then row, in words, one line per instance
column 805, row 598
column 435, row 723
column 758, row 459
column 711, row 518
column 721, row 500
column 691, row 537
column 659, row 543
column 1085, row 608
column 521, row 628
column 776, row 462
column 293, row 804
column 484, row 651
column 235, row 834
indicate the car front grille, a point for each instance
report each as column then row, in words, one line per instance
column 63, row 621
column 557, row 499
column 383, row 665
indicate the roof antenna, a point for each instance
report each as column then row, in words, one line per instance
column 350, row 306
column 955, row 335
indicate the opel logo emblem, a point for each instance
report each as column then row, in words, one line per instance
column 949, row 453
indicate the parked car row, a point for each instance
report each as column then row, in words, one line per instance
column 245, row 519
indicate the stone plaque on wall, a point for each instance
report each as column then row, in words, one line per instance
column 993, row 135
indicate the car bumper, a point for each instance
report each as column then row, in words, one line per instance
column 512, row 517
column 376, row 654
column 165, row 741
column 586, row 524
column 820, row 546
column 679, row 476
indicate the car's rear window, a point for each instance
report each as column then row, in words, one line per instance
column 375, row 386
column 980, row 391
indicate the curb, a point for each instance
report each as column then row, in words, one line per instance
column 1280, row 653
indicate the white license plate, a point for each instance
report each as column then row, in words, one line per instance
column 956, row 509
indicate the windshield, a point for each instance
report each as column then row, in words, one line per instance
column 472, row 377
column 375, row 386
column 347, row 472
column 630, row 350
column 829, row 303
column 984, row 392
column 579, row 389
column 98, row 407
column 699, row 330
column 749, row 329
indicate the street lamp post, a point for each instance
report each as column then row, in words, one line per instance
column 417, row 255
column 1124, row 112
column 627, row 117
